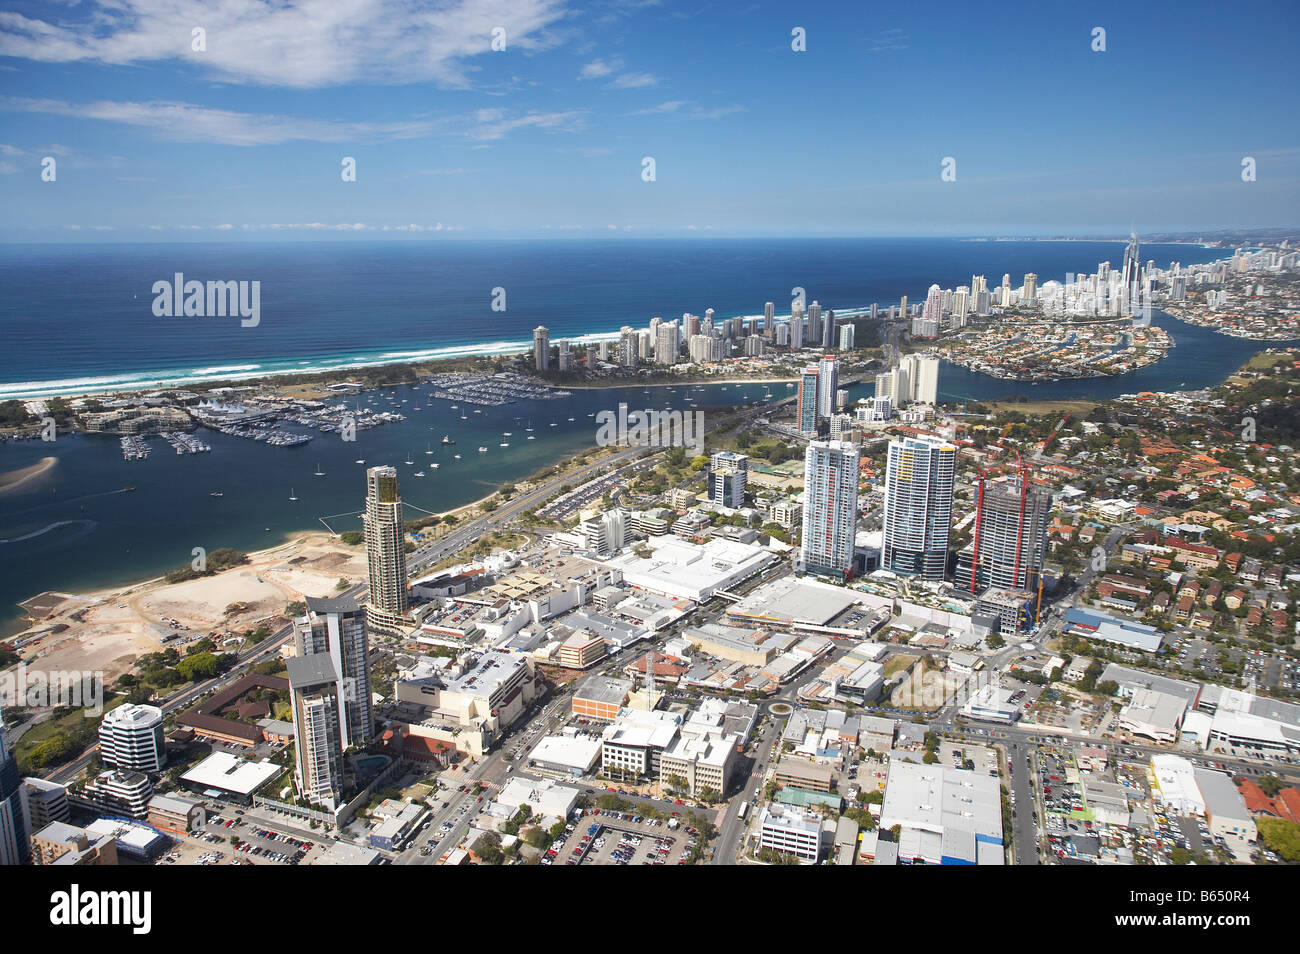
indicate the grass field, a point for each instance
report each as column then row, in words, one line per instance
column 1076, row 408
column 898, row 663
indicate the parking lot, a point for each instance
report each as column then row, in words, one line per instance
column 612, row 838
column 257, row 843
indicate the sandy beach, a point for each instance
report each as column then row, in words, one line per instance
column 16, row 478
column 108, row 630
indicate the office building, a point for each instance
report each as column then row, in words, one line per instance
column 336, row 629
column 728, row 475
column 919, row 480
column 830, row 507
column 47, row 802
column 318, row 715
column 131, row 737
column 787, row 830
column 385, row 553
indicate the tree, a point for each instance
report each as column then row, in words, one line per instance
column 1281, row 836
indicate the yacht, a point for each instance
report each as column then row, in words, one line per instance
column 570, row 418
column 482, row 450
column 507, row 434
column 360, row 460
column 435, row 465
column 216, row 493
column 456, row 456
column 504, row 444
column 419, row 473
column 531, row 437
column 447, row 440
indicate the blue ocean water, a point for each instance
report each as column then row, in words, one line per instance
column 77, row 318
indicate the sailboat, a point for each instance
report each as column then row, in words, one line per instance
column 555, row 423
column 319, row 472
column 428, row 450
column 530, row 425
column 292, row 495
column 408, row 459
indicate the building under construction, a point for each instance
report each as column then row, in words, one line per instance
column 1010, row 539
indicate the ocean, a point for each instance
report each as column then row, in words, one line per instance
column 78, row 318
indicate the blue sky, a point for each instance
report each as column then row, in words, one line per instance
column 155, row 141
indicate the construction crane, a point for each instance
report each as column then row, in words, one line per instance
column 1051, row 438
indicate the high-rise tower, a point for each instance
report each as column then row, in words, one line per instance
column 385, row 552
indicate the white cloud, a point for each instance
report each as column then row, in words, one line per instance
column 634, row 81
column 671, row 106
column 597, row 69
column 297, row 43
column 187, row 122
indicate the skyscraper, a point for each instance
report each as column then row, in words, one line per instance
column 807, row 412
column 541, row 348
column 1010, row 535
column 830, row 507
column 336, row 628
column 919, row 479
column 933, row 309
column 15, row 839
column 385, row 552
column 828, row 382
column 1031, row 287
column 922, row 372
column 1132, row 274
column 769, row 320
column 669, row 344
column 796, row 325
column 828, row 330
column 814, row 324
column 317, row 714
